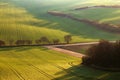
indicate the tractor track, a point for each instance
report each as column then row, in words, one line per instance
column 57, row 66
column 16, row 72
column 42, row 72
column 72, row 63
column 73, row 73
column 39, row 70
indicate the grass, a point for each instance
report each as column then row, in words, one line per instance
column 28, row 23
column 107, row 15
column 84, row 31
column 37, row 63
column 18, row 24
column 20, row 20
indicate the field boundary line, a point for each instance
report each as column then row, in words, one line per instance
column 75, row 54
column 16, row 72
column 42, row 72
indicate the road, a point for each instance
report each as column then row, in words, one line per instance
column 71, row 53
column 75, row 44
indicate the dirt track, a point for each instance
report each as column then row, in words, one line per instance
column 75, row 54
column 99, row 6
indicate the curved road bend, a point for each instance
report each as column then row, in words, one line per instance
column 71, row 53
column 75, row 54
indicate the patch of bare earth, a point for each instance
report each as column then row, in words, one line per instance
column 71, row 53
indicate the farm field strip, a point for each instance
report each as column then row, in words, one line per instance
column 39, row 68
column 16, row 72
column 44, row 26
column 22, row 26
column 112, row 18
column 75, row 54
column 32, row 67
column 25, row 62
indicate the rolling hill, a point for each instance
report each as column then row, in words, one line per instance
column 17, row 24
column 102, row 14
column 39, row 10
column 32, row 63
column 29, row 20
column 36, row 63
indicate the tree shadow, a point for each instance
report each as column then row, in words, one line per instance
column 86, row 73
column 22, row 48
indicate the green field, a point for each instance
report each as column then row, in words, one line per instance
column 36, row 63
column 32, row 63
column 106, row 15
column 18, row 24
column 31, row 21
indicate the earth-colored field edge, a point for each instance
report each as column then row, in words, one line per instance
column 103, row 26
column 98, row 6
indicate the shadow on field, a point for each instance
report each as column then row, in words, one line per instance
column 86, row 73
column 19, row 49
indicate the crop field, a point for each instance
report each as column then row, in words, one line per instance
column 106, row 15
column 82, row 31
column 18, row 24
column 32, row 63
column 29, row 20
column 37, row 63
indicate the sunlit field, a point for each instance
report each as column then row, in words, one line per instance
column 18, row 24
column 36, row 63
column 33, row 63
column 82, row 30
column 30, row 20
column 106, row 15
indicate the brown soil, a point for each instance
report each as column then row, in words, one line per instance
column 99, row 6
column 75, row 54
column 77, row 48
column 71, row 49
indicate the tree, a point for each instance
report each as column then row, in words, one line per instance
column 11, row 42
column 44, row 39
column 104, row 54
column 37, row 42
column 56, row 41
column 67, row 38
column 28, row 42
column 2, row 43
column 20, row 42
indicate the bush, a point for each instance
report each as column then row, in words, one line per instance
column 104, row 54
column 56, row 41
column 2, row 43
column 67, row 38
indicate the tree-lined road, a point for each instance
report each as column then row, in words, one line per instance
column 72, row 53
column 75, row 54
